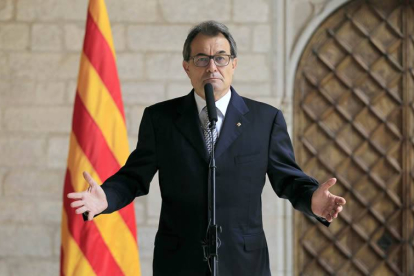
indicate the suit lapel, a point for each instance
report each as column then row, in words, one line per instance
column 188, row 123
column 234, row 123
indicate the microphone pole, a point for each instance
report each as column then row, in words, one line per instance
column 212, row 240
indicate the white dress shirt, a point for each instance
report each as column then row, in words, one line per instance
column 221, row 106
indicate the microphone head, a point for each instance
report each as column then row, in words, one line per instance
column 211, row 102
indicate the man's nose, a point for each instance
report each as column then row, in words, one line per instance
column 211, row 67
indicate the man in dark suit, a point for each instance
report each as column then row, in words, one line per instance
column 252, row 142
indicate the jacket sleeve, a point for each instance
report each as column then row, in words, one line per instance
column 286, row 177
column 134, row 178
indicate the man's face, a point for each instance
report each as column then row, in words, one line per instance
column 219, row 76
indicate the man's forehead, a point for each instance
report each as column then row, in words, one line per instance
column 203, row 44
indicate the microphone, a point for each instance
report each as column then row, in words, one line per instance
column 211, row 103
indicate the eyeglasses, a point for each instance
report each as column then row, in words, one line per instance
column 204, row 60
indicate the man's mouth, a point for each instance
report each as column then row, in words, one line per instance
column 211, row 79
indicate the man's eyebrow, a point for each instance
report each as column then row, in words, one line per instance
column 203, row 54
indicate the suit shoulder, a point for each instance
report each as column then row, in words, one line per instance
column 260, row 106
column 165, row 109
column 168, row 104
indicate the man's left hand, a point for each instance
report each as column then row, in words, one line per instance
column 325, row 204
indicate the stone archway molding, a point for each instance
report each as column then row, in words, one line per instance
column 292, row 64
column 306, row 35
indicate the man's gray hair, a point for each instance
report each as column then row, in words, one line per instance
column 209, row 28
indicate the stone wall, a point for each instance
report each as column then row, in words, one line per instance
column 40, row 44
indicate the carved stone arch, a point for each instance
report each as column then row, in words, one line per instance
column 354, row 120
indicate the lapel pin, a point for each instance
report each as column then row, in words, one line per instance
column 238, row 124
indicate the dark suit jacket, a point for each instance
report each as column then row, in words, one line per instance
column 171, row 142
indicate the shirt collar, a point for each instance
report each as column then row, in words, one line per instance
column 221, row 104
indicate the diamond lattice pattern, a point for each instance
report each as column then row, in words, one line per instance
column 354, row 95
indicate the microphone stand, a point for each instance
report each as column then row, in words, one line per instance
column 211, row 244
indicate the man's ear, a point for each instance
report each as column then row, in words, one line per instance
column 234, row 63
column 186, row 67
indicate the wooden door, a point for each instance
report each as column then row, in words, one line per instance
column 354, row 118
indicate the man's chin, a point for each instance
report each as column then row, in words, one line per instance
column 216, row 83
column 216, row 87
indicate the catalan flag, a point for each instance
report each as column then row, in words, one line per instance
column 99, row 145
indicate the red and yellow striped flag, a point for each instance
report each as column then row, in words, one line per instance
column 99, row 145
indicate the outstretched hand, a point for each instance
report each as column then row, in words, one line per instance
column 92, row 201
column 325, row 204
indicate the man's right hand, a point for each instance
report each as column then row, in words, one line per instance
column 93, row 200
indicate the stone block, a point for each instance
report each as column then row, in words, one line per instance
column 14, row 36
column 142, row 93
column 252, row 89
column 319, row 2
column 146, row 265
column 51, row 10
column 46, row 37
column 1, row 117
column 134, row 120
column 57, row 240
column 6, row 13
column 178, row 89
column 25, row 241
column 128, row 110
column 35, row 266
column 146, row 238
column 280, row 237
column 268, row 201
column 14, row 93
column 242, row 35
column 50, row 211
column 141, row 11
column 118, row 36
column 34, row 211
column 71, row 87
column 3, row 172
column 130, row 66
column 280, row 206
column 153, row 221
column 18, row 210
column 31, row 92
column 156, row 38
column 255, row 67
column 301, row 14
column 74, row 9
column 43, row 66
column 195, row 11
column 4, row 66
column 166, row 66
column 287, row 109
column 4, row 268
column 52, row 92
column 139, row 213
column 74, row 34
column 262, row 39
column 22, row 151
column 38, row 119
column 154, row 199
column 132, row 141
column 67, row 67
column 245, row 11
column 57, row 151
column 34, row 183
